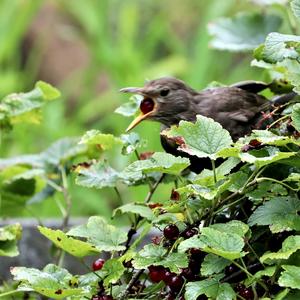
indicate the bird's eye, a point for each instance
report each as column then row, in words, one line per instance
column 164, row 92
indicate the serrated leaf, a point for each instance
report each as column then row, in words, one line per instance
column 289, row 246
column 74, row 247
column 280, row 46
column 98, row 176
column 204, row 138
column 213, row 264
column 113, row 270
column 25, row 106
column 193, row 242
column 243, row 32
column 268, row 272
column 296, row 116
column 234, row 226
column 290, row 277
column 139, row 209
column 211, row 287
column 98, row 232
column 95, row 137
column 295, row 6
column 52, row 281
column 131, row 142
column 158, row 162
column 224, row 244
column 9, row 236
column 279, row 213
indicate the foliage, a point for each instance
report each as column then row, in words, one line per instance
column 230, row 232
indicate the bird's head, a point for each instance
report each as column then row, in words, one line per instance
column 164, row 100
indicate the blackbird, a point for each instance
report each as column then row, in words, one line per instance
column 238, row 108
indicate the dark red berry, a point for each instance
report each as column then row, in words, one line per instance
column 239, row 287
column 154, row 205
column 171, row 232
column 156, row 273
column 188, row 274
column 168, row 276
column 98, row 264
column 147, row 105
column 194, row 266
column 229, row 270
column 247, row 293
column 196, row 254
column 254, row 143
column 176, row 283
column 189, row 233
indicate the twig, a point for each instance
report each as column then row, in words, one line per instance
column 153, row 189
column 131, row 283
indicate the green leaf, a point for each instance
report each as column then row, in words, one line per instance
column 131, row 142
column 130, row 108
column 26, row 107
column 224, row 244
column 295, row 6
column 290, row 277
column 243, row 32
column 268, row 271
column 193, row 242
column 289, row 246
column 234, row 226
column 52, row 281
column 138, row 209
column 280, row 214
column 104, row 141
column 211, row 287
column 213, row 264
column 204, row 138
column 72, row 246
column 9, row 235
column 296, row 116
column 280, row 46
column 156, row 255
column 98, row 176
column 49, row 92
column 99, row 233
column 158, row 162
column 113, row 270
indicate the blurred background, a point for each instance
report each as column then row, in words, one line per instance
column 89, row 50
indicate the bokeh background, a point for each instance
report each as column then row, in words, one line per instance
column 89, row 49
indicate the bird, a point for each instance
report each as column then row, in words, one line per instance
column 168, row 100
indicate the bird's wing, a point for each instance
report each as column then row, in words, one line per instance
column 251, row 86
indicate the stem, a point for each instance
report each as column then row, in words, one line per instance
column 213, row 165
column 278, row 120
column 153, row 189
column 10, row 293
column 119, row 195
column 131, row 283
column 276, row 181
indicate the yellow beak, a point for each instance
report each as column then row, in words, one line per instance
column 137, row 120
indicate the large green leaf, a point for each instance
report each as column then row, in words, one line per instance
column 243, row 32
column 213, row 264
column 98, row 232
column 74, row 247
column 9, row 235
column 211, row 287
column 25, row 106
column 156, row 255
column 138, row 209
column 102, row 140
column 280, row 214
column 289, row 246
column 52, row 281
column 98, row 175
column 290, row 277
column 130, row 108
column 204, row 138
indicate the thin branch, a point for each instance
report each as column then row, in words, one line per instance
column 131, row 283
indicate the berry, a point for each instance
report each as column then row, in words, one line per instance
column 194, row 266
column 174, row 195
column 157, row 273
column 98, row 264
column 189, row 233
column 196, row 254
column 171, row 232
column 188, row 274
column 147, row 105
column 176, row 283
column 146, row 155
column 247, row 293
column 168, row 276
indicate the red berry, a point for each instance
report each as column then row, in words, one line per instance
column 196, row 254
column 98, row 264
column 188, row 274
column 176, row 283
column 247, row 293
column 174, row 195
column 189, row 233
column 168, row 276
column 146, row 155
column 171, row 232
column 147, row 105
column 156, row 273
